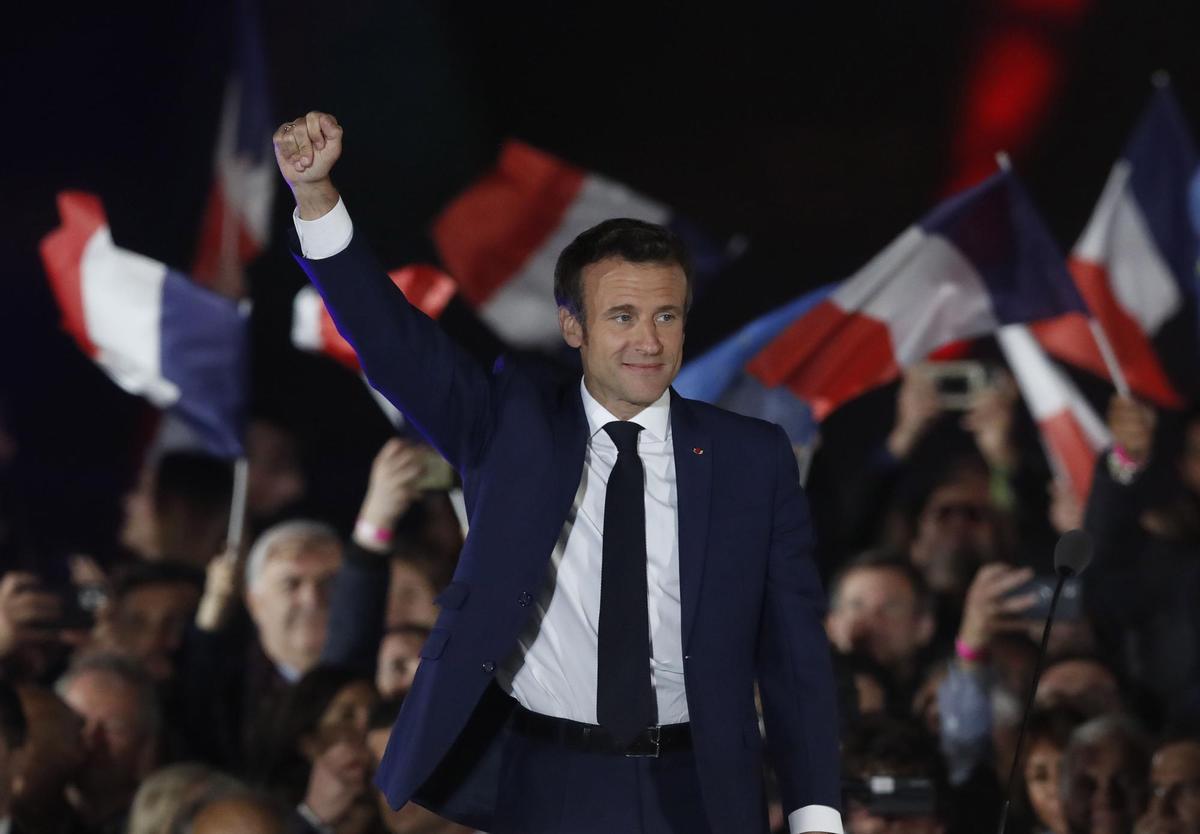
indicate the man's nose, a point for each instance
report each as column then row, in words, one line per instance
column 647, row 338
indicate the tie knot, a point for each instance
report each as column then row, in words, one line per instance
column 624, row 434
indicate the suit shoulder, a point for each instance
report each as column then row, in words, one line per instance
column 726, row 422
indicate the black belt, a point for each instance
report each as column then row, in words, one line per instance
column 591, row 738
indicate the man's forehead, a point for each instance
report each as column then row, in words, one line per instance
column 292, row 556
column 613, row 276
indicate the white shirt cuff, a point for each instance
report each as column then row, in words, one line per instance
column 327, row 235
column 812, row 818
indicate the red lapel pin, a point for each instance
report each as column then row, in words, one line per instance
column 696, row 450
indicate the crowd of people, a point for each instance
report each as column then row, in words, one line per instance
column 191, row 688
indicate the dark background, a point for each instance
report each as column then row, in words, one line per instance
column 817, row 131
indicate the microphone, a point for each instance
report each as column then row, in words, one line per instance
column 1072, row 554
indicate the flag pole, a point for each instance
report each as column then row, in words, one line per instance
column 237, row 508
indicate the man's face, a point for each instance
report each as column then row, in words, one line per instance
column 1104, row 794
column 149, row 621
column 410, row 596
column 289, row 602
column 116, row 741
column 1174, row 791
column 399, row 656
column 632, row 344
column 875, row 611
column 956, row 533
column 1042, row 768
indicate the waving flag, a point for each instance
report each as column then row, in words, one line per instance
column 720, row 377
column 1135, row 261
column 426, row 288
column 501, row 237
column 154, row 332
column 980, row 260
column 237, row 219
column 1073, row 435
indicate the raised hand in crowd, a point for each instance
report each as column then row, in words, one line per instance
column 220, row 592
column 1066, row 510
column 1132, row 425
column 337, row 782
column 917, row 407
column 306, row 150
column 26, row 609
column 392, row 488
column 991, row 609
column 990, row 421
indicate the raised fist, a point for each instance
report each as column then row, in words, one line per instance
column 306, row 148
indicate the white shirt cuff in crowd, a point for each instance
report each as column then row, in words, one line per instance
column 812, row 818
column 326, row 236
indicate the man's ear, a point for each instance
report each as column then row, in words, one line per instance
column 572, row 329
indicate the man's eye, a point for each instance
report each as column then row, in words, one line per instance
column 667, row 317
column 623, row 317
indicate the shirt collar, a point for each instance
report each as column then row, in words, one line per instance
column 655, row 419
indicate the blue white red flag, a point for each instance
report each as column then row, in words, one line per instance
column 153, row 331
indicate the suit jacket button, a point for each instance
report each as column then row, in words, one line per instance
column 488, row 666
column 524, row 599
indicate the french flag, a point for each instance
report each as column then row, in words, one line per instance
column 501, row 237
column 426, row 287
column 719, row 376
column 980, row 260
column 1073, row 435
column 153, row 331
column 1136, row 259
column 237, row 218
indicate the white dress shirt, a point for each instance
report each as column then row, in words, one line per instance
column 552, row 670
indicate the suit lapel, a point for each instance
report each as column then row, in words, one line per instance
column 693, row 481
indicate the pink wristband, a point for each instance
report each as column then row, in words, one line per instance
column 1122, row 456
column 372, row 532
column 968, row 652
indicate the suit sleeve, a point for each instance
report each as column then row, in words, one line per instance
column 405, row 355
column 794, row 670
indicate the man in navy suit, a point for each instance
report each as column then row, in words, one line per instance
column 636, row 562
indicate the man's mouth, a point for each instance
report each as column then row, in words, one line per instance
column 643, row 368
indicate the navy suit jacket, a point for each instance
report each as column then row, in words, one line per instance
column 752, row 600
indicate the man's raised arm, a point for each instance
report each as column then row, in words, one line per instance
column 404, row 354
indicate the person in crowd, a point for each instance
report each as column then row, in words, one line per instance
column 1144, row 516
column 13, row 733
column 148, row 610
column 115, row 697
column 315, row 756
column 275, row 480
column 1104, row 776
column 884, row 759
column 881, row 608
column 1174, row 790
column 1083, row 682
column 178, row 510
column 411, row 818
column 399, row 656
column 52, row 758
column 237, row 673
column 1038, row 795
column 412, row 589
column 168, row 791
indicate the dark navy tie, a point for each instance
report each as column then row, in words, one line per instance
column 624, row 697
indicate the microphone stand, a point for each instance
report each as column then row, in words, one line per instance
column 1064, row 573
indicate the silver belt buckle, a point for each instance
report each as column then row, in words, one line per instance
column 655, row 740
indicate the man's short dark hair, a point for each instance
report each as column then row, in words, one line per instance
column 636, row 241
column 886, row 560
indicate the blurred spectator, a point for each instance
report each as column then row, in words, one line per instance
column 1038, row 794
column 1144, row 515
column 894, row 779
column 179, row 509
column 411, row 818
column 121, row 726
column 165, row 794
column 411, row 590
column 50, row 762
column 243, row 812
column 13, row 732
column 288, row 576
column 238, row 671
column 399, row 656
column 30, row 626
column 879, row 607
column 150, row 606
column 316, row 752
column 275, row 479
column 1081, row 682
column 1175, row 790
column 1104, row 776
